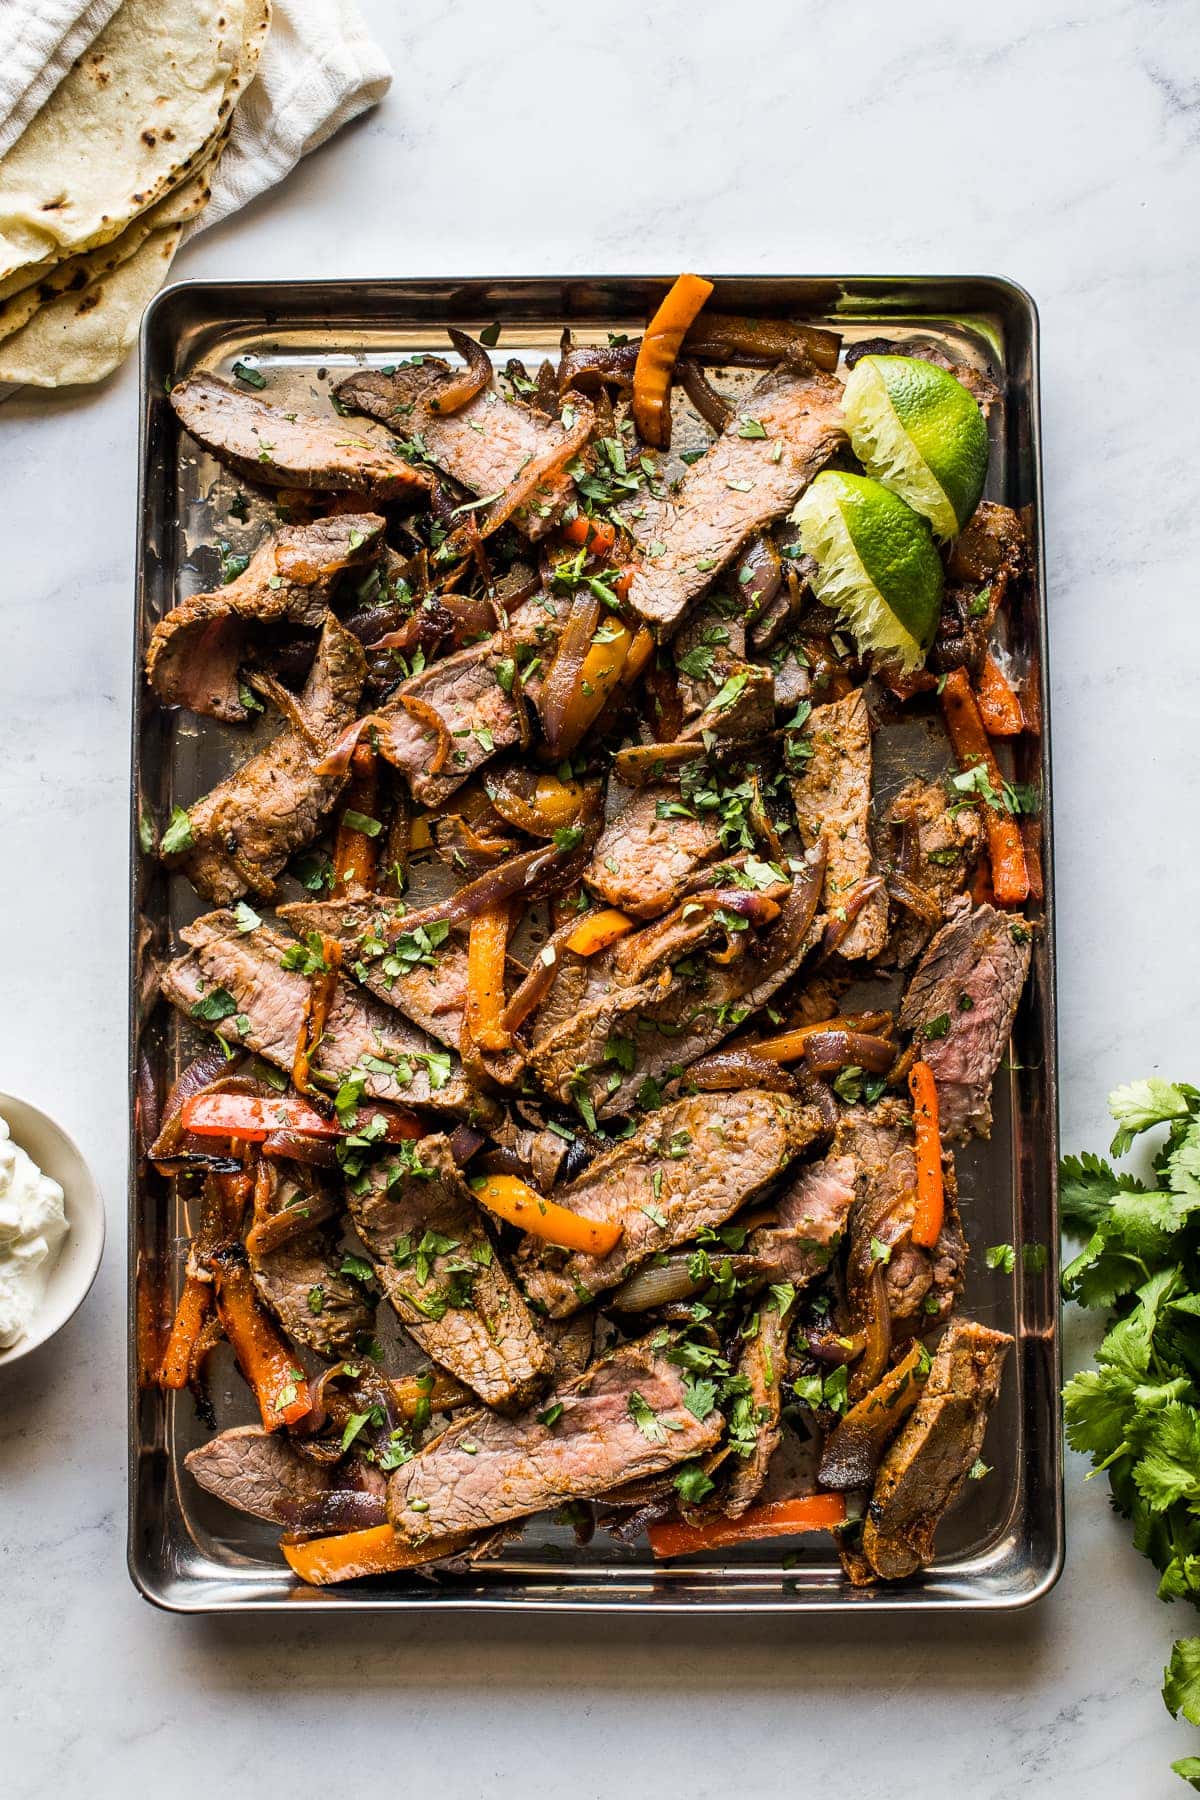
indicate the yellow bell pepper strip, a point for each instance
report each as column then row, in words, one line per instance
column 656, row 358
column 515, row 1201
column 774, row 1518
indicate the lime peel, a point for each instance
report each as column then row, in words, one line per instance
column 918, row 431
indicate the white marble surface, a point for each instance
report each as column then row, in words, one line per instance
column 1055, row 143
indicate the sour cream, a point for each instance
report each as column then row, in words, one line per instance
column 33, row 1225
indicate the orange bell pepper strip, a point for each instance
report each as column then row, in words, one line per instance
column 254, row 1118
column 195, row 1305
column 355, row 851
column 597, row 534
column 598, row 930
column 487, row 950
column 1010, row 876
column 556, row 802
column 931, row 1199
column 789, row 1046
column 514, row 1200
column 999, row 706
column 656, row 358
column 263, row 1357
column 774, row 1518
column 353, row 1554
column 321, row 989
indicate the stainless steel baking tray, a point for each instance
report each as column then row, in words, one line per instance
column 1003, row 1546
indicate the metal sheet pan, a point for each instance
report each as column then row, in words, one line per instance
column 1003, row 1546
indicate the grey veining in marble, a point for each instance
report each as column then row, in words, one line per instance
column 1049, row 140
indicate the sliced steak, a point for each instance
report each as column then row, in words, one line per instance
column 708, row 648
column 197, row 648
column 263, row 1474
column 234, row 983
column 734, row 490
column 643, row 859
column 813, row 1213
column 485, row 445
column 921, row 1285
column 833, row 803
column 692, row 1164
column 926, row 1466
column 244, row 831
column 317, row 1307
column 981, row 564
column 437, row 1265
column 294, row 450
column 960, row 1007
column 763, row 1363
column 624, row 1419
column 935, row 850
column 428, row 985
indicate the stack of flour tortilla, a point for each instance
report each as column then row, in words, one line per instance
column 96, row 192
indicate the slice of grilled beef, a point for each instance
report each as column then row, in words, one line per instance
column 927, row 1464
column 428, row 985
column 244, row 831
column 263, row 1474
column 438, row 1266
column 295, row 450
column 983, row 561
column 691, row 1164
column 921, row 1285
column 812, row 1215
column 233, row 982
column 833, row 804
column 196, row 650
column 484, row 445
column 960, row 1007
column 762, row 1363
column 709, row 647
column 625, row 1418
column 735, row 489
column 316, row 1305
column 647, row 853
column 933, row 851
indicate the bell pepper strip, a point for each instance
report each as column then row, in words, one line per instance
column 1031, row 837
column 254, row 1118
column 774, row 1518
column 487, row 950
column 265, row 1360
column 655, row 363
column 598, row 930
column 520, row 1205
column 999, row 706
column 790, row 1046
column 931, row 1202
column 321, row 988
column 1010, row 875
column 353, row 1554
column 355, row 851
column 896, row 1394
column 638, row 765
column 425, row 1394
column 195, row 1305
column 637, row 656
column 597, row 534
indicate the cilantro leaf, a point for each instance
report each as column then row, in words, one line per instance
column 1141, row 1104
column 1181, row 1680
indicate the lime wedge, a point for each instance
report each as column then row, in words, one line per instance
column 877, row 564
column 916, row 429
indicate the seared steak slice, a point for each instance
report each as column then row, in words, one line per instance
column 763, row 1363
column 263, row 1474
column 734, row 490
column 643, row 859
column 935, row 1451
column 471, row 693
column 812, row 1216
column 244, row 831
column 691, row 1164
column 708, row 647
column 935, row 852
column 624, row 1419
column 485, row 445
column 833, row 802
column 316, row 1306
column 290, row 450
column 429, row 986
column 960, row 1007
column 921, row 1285
column 436, row 1264
column 196, row 649
column 235, row 984
column 981, row 563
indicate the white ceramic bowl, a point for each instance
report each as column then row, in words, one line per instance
column 73, row 1274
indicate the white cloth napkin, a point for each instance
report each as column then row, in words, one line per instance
column 39, row 40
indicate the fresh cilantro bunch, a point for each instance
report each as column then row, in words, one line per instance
column 1137, row 1413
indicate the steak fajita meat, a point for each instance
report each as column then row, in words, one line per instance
column 263, row 1474
column 934, row 850
column 813, row 1213
column 625, row 1418
column 642, row 858
column 927, row 1464
column 485, row 445
column 982, row 562
column 295, row 450
column 234, row 983
column 197, row 648
column 960, row 1007
column 708, row 647
column 244, row 831
column 316, row 1305
column 693, row 1163
column 921, row 1285
column 423, row 974
column 735, row 489
column 437, row 1265
column 832, row 798
column 763, row 1363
